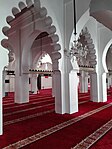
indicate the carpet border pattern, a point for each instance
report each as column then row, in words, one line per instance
column 94, row 137
column 54, row 129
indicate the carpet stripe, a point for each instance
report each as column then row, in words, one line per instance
column 84, row 96
column 94, row 137
column 36, row 99
column 28, row 102
column 83, row 101
column 30, row 98
column 37, row 107
column 32, row 116
column 27, row 117
column 54, row 129
column 23, row 105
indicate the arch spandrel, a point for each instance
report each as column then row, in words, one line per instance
column 27, row 22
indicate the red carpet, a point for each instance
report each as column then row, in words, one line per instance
column 38, row 116
column 105, row 142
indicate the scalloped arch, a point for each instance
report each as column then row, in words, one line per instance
column 7, row 45
column 46, row 21
column 85, row 38
column 104, row 55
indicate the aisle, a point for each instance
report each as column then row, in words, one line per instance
column 35, row 124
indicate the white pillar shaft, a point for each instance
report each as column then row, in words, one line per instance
column 3, row 83
column 68, row 68
column 34, row 83
column 86, row 84
column 67, row 93
column 109, row 83
column 102, row 88
column 10, row 80
column 71, row 81
column 53, row 92
column 83, row 82
column 104, row 99
column 82, row 85
column 1, row 117
column 11, row 83
column 93, row 87
column 57, row 88
column 73, row 89
column 7, row 85
column 98, row 87
column 1, row 110
column 22, row 88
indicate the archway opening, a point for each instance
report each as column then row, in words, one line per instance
column 107, row 67
column 86, row 59
column 109, row 74
column 41, row 63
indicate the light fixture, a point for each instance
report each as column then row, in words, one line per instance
column 40, row 61
column 77, row 49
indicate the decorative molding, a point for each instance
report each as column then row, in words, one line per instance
column 94, row 137
column 33, row 14
column 87, row 69
column 34, row 71
column 85, row 39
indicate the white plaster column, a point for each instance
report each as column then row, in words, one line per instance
column 21, row 85
column 22, row 88
column 73, row 89
column 109, row 82
column 57, row 90
column 71, row 85
column 68, row 68
column 53, row 92
column 34, row 83
column 86, row 82
column 93, row 87
column 98, row 87
column 11, row 77
column 57, row 84
column 59, row 103
column 7, row 85
column 1, row 106
column 82, row 85
column 30, row 82
column 104, row 99
column 102, row 87
column 3, row 82
column 83, row 82
column 12, row 82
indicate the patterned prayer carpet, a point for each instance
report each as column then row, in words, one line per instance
column 35, row 125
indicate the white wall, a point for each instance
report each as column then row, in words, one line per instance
column 46, row 82
column 108, row 57
column 104, row 37
column 10, row 87
column 12, row 83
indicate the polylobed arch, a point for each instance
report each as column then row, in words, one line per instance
column 7, row 45
column 86, row 40
column 41, row 45
column 104, row 55
column 49, row 48
column 39, row 14
column 80, row 25
column 27, row 22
